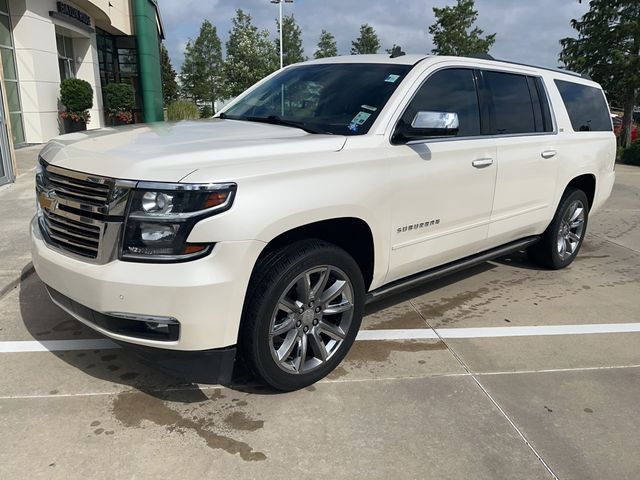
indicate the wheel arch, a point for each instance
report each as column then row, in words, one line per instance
column 585, row 182
column 352, row 234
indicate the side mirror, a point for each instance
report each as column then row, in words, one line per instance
column 428, row 124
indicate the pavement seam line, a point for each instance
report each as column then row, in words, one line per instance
column 26, row 272
column 557, row 370
column 607, row 239
column 490, row 397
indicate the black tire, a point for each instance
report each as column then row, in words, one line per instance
column 270, row 288
column 547, row 252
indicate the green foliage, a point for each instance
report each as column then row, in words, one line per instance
column 367, row 42
column 200, row 76
column 631, row 155
column 206, row 111
column 327, row 46
column 608, row 49
column 182, row 110
column 77, row 96
column 118, row 97
column 251, row 56
column 291, row 41
column 454, row 32
column 169, row 84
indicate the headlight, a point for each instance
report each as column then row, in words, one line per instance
column 161, row 217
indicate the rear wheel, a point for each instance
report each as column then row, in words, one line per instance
column 563, row 238
column 302, row 313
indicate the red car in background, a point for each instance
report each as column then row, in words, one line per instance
column 617, row 127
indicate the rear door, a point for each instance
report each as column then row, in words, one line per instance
column 527, row 154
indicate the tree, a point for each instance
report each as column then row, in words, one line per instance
column 608, row 49
column 454, row 32
column 169, row 84
column 291, row 41
column 200, row 75
column 251, row 56
column 367, row 42
column 327, row 46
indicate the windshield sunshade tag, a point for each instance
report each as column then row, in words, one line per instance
column 392, row 78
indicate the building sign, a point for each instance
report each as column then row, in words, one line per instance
column 74, row 13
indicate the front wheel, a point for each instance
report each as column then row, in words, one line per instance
column 302, row 313
column 563, row 238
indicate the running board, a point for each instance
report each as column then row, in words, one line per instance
column 447, row 269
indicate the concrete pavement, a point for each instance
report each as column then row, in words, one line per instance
column 531, row 407
column 18, row 206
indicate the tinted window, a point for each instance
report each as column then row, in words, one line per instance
column 452, row 91
column 338, row 98
column 586, row 106
column 512, row 105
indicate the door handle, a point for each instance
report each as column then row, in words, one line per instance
column 548, row 154
column 482, row 162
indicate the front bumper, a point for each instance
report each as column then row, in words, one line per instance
column 205, row 296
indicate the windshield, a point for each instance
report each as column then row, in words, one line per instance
column 338, row 98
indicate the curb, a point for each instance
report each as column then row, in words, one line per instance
column 26, row 272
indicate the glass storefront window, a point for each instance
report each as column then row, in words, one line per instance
column 118, row 61
column 10, row 75
column 5, row 31
column 66, row 60
column 8, row 66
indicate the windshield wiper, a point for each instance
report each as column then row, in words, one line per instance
column 275, row 120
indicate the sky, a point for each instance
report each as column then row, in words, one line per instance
column 528, row 31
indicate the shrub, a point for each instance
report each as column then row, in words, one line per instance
column 206, row 111
column 77, row 97
column 119, row 98
column 631, row 155
column 182, row 110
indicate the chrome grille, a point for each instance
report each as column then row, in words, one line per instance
column 77, row 237
column 78, row 190
column 81, row 214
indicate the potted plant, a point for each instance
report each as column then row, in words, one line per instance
column 77, row 98
column 119, row 101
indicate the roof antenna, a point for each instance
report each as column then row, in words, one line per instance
column 397, row 52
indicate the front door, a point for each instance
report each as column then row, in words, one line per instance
column 441, row 206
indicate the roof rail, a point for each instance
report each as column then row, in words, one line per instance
column 486, row 56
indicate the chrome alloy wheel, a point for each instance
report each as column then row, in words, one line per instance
column 571, row 229
column 311, row 319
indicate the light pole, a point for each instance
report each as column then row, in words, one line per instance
column 280, row 2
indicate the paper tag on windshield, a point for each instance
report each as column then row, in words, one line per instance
column 392, row 78
column 361, row 118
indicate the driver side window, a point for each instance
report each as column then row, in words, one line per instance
column 452, row 91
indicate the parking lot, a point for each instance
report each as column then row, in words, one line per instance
column 505, row 371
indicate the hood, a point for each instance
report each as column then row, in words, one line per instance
column 168, row 152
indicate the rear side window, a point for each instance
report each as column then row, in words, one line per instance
column 513, row 107
column 586, row 106
column 453, row 91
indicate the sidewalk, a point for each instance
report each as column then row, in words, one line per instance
column 17, row 204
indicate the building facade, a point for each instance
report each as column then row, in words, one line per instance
column 43, row 42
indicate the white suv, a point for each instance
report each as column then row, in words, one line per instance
column 326, row 185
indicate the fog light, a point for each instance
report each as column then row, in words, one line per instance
column 158, row 327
